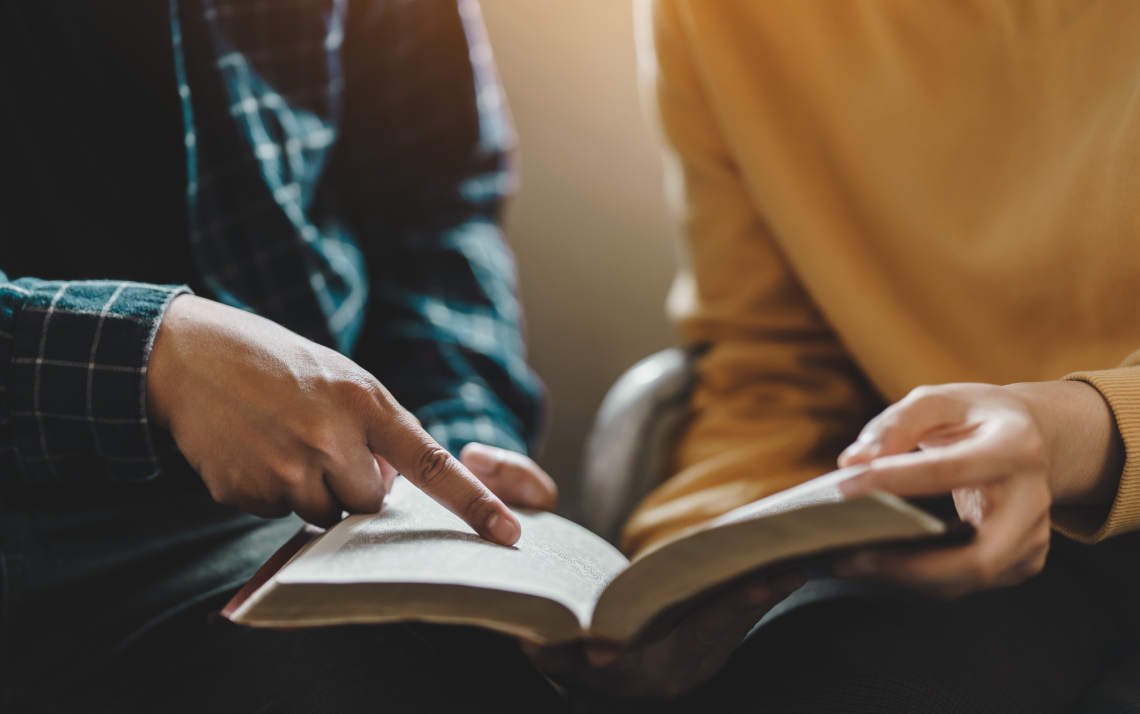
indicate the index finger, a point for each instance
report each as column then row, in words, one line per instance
column 938, row 470
column 902, row 426
column 396, row 435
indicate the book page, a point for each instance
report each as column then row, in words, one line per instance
column 806, row 520
column 415, row 540
column 816, row 492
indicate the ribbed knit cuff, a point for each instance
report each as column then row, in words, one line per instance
column 1121, row 389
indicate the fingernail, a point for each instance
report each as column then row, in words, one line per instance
column 504, row 530
column 478, row 457
column 862, row 449
column 856, row 449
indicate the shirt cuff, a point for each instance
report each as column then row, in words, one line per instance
column 77, row 379
column 1091, row 524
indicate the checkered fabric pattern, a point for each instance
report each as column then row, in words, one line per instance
column 75, row 391
column 330, row 145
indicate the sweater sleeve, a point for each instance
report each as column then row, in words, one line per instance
column 73, row 359
column 1087, row 524
column 777, row 396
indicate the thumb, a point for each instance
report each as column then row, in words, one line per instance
column 396, row 436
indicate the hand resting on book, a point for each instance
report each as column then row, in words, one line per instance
column 274, row 423
column 650, row 627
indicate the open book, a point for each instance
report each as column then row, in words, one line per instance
column 416, row 561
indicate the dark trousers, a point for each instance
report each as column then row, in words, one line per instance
column 1064, row 641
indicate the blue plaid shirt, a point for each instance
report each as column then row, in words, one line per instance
column 354, row 203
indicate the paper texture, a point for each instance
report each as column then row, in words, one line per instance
column 816, row 492
column 415, row 540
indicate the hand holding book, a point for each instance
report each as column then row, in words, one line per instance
column 1008, row 455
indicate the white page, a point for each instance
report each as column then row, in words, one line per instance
column 817, row 491
column 415, row 540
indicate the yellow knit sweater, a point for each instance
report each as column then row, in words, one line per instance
column 879, row 195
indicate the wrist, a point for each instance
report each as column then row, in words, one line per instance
column 1084, row 450
column 161, row 365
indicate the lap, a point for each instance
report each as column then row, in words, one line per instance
column 835, row 646
column 845, row 646
column 341, row 670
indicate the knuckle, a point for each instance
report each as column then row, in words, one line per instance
column 293, row 475
column 222, row 487
column 373, row 500
column 477, row 502
column 223, row 494
column 324, row 438
column 363, row 394
column 919, row 392
column 433, row 463
column 924, row 394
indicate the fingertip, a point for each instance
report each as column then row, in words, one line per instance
column 479, row 458
column 860, row 452
column 504, row 528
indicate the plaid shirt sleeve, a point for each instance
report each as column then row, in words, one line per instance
column 423, row 167
column 73, row 361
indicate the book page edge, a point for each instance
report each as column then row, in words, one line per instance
column 263, row 580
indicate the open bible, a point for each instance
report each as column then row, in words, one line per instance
column 417, row 561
